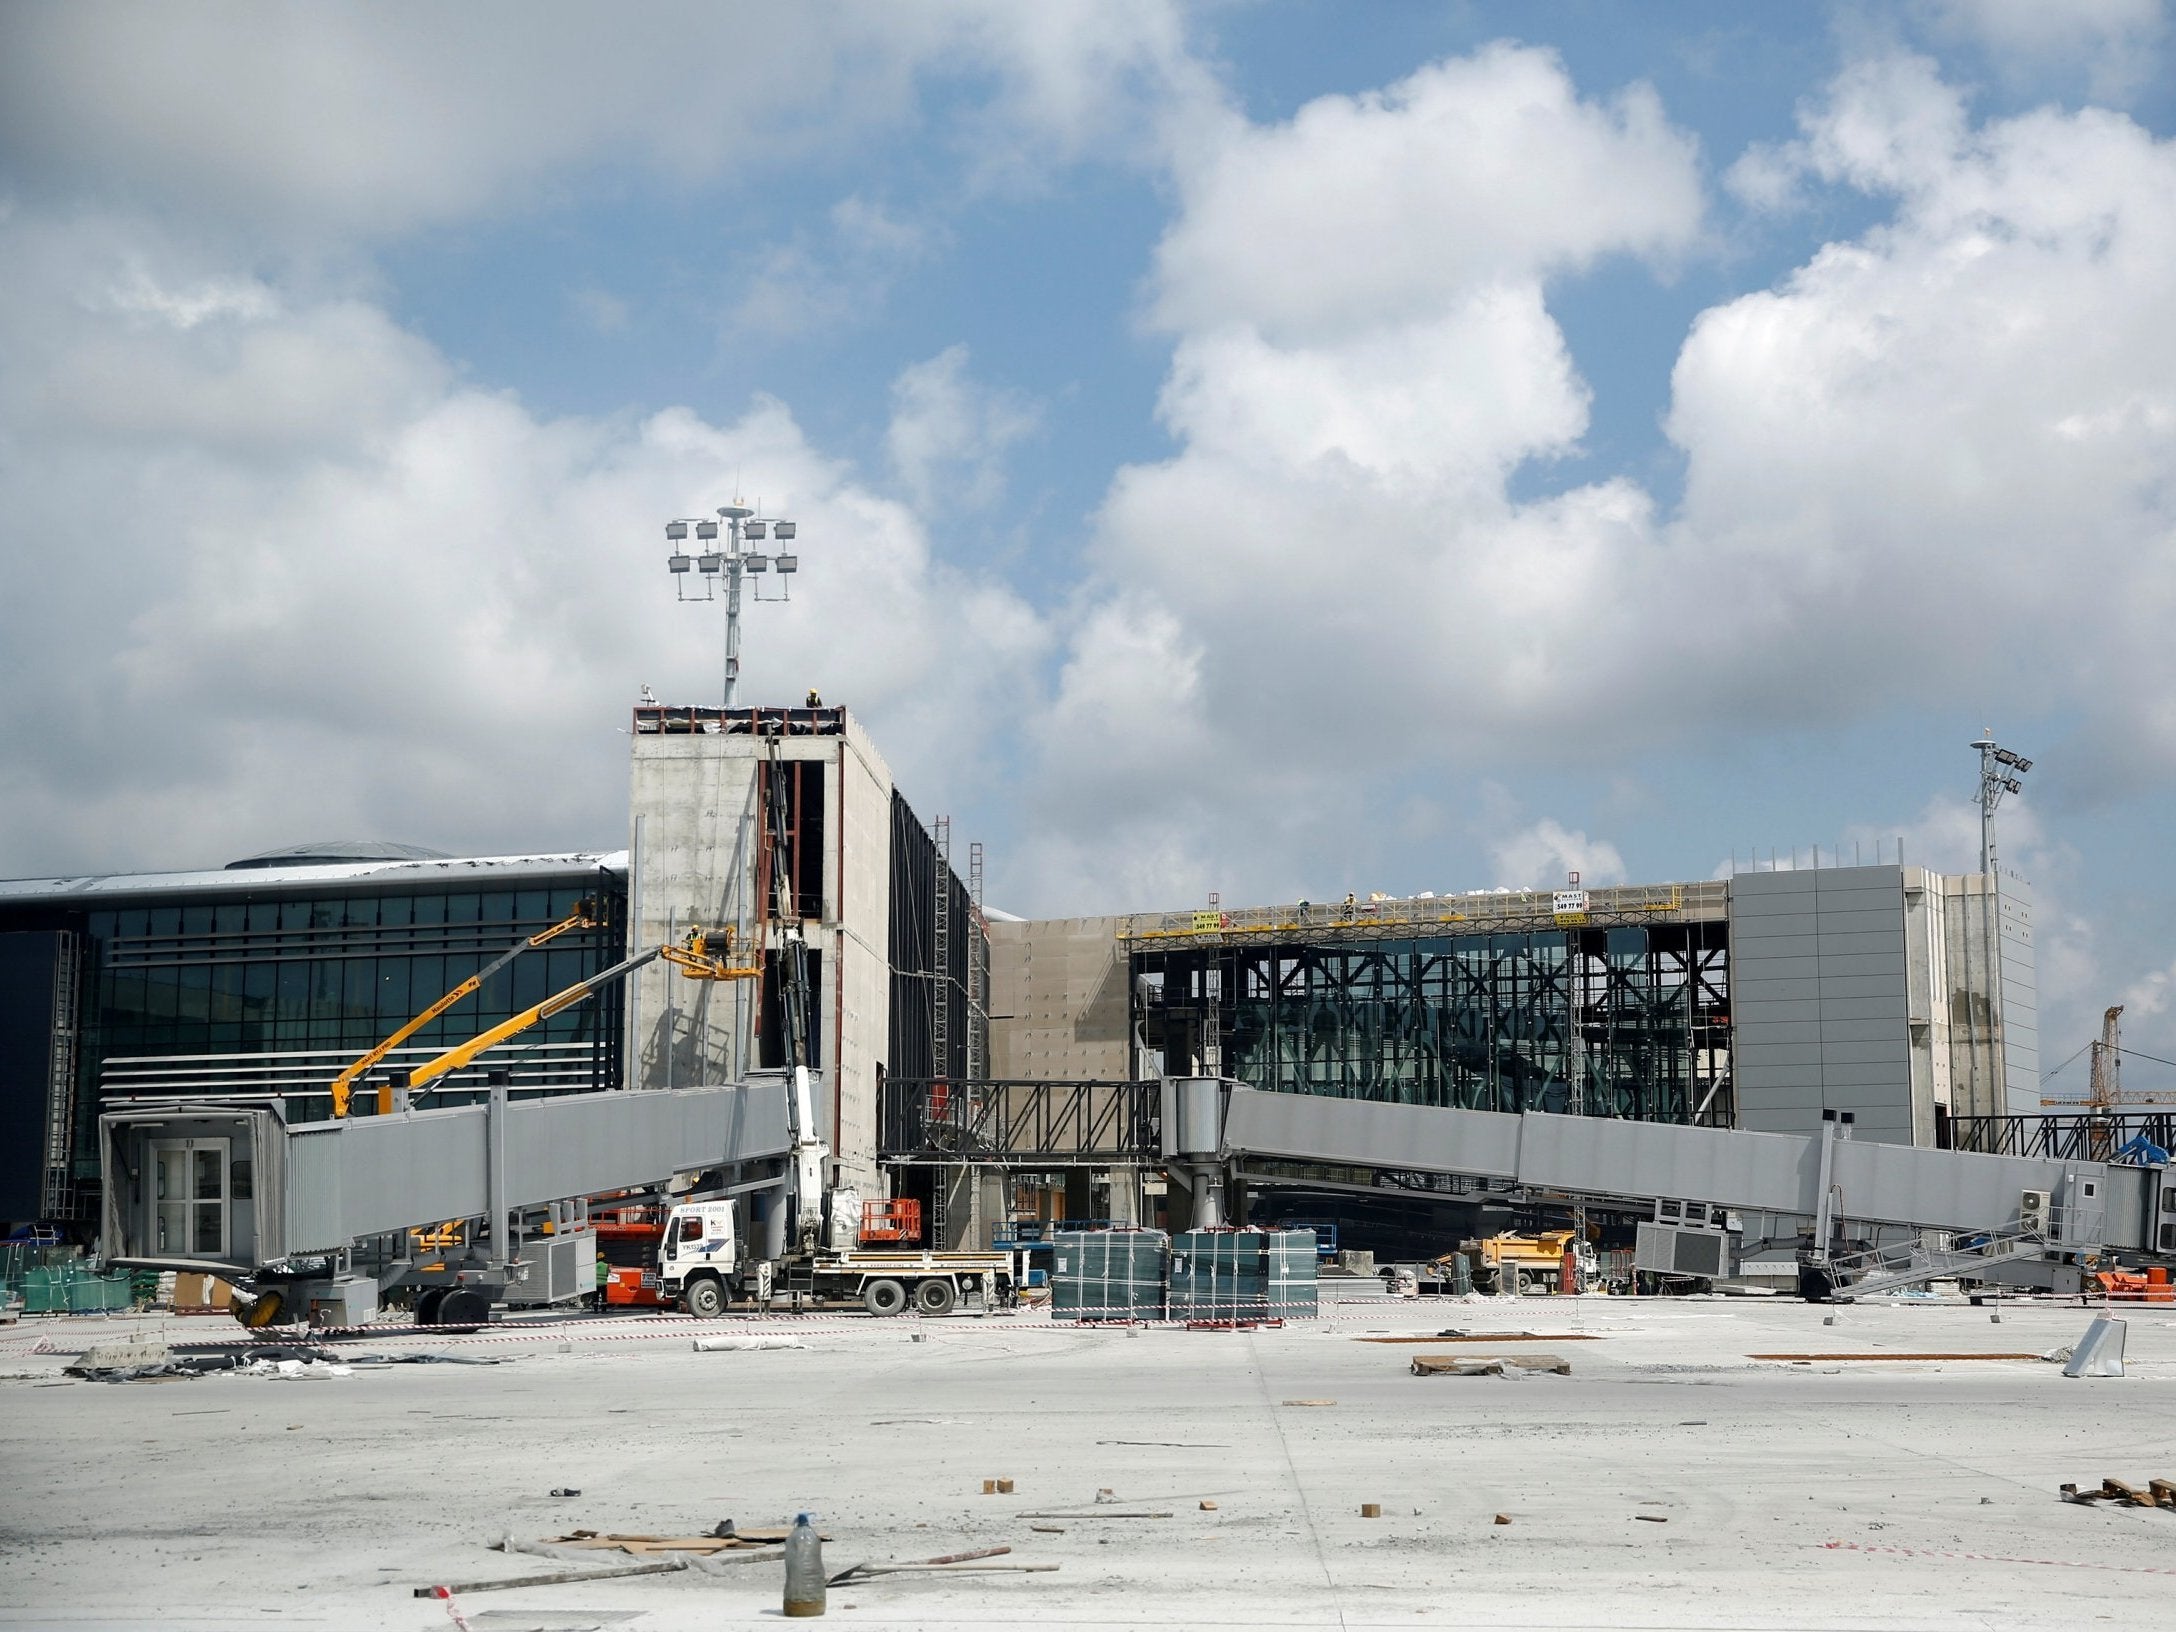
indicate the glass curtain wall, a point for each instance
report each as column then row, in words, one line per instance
column 284, row 993
column 1627, row 1022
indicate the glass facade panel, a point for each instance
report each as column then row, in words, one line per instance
column 1628, row 1021
column 287, row 992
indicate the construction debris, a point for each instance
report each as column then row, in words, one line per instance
column 1501, row 1365
column 945, row 1564
column 1307, row 1402
column 1371, row 1510
column 553, row 1579
column 2158, row 1493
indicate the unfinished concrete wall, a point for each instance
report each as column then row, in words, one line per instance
column 694, row 839
column 857, row 961
column 1058, row 1000
column 695, row 858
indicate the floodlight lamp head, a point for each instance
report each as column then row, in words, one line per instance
column 675, row 531
column 677, row 562
column 754, row 530
column 2013, row 785
column 784, row 530
column 711, row 563
column 706, row 529
column 2004, row 756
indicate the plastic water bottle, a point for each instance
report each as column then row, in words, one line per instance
column 804, row 1569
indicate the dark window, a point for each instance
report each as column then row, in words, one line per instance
column 799, row 849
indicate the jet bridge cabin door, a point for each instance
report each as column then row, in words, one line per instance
column 189, row 1197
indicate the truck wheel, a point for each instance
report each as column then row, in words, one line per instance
column 884, row 1297
column 462, row 1306
column 705, row 1299
column 935, row 1297
column 427, row 1304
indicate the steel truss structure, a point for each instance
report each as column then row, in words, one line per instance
column 2060, row 1137
column 1626, row 1021
column 1030, row 1125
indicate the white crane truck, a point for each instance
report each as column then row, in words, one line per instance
column 711, row 1255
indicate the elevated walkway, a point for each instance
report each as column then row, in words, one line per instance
column 1837, row 1180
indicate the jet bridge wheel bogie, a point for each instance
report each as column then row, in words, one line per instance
column 464, row 1307
column 427, row 1304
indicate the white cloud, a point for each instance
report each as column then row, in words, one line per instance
column 1544, row 855
column 836, row 278
column 277, row 571
column 1918, row 465
column 949, row 435
column 1361, row 213
column 357, row 119
column 2117, row 44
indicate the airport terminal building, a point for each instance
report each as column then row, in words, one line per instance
column 1759, row 1001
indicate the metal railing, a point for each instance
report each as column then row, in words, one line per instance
column 1461, row 914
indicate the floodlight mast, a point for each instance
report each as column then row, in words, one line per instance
column 729, row 560
column 1999, row 773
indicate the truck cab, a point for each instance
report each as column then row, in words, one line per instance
column 699, row 1255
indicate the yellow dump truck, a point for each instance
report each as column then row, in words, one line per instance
column 1523, row 1263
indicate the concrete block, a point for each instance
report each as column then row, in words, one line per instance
column 2100, row 1352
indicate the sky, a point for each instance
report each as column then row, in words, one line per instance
column 1261, row 449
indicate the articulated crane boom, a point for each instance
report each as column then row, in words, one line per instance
column 584, row 916
column 693, row 958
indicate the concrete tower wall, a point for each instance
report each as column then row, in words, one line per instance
column 694, row 859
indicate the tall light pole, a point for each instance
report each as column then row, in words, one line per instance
column 1999, row 773
column 728, row 560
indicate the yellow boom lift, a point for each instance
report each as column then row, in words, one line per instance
column 692, row 957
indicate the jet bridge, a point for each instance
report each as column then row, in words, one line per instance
column 2065, row 1209
column 230, row 1185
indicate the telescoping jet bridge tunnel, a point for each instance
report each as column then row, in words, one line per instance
column 1877, row 1215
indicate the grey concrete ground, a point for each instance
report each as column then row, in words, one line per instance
column 1838, row 1494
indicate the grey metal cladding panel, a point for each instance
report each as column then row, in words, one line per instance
column 1776, row 1077
column 1894, row 1072
column 1762, row 1055
column 1597, row 1155
column 1844, row 943
column 1890, row 901
column 388, row 1173
column 1761, row 1033
column 1762, row 969
column 1749, row 989
column 1754, row 886
column 313, row 1213
column 1861, row 923
column 1858, row 986
column 1877, row 875
column 400, row 1171
column 1888, row 965
column 1364, row 1134
column 1887, row 1051
column 1891, row 1007
column 576, row 1145
column 1954, row 1189
column 1777, row 1011
column 1884, row 1030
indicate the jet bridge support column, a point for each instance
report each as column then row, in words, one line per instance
column 1194, row 1116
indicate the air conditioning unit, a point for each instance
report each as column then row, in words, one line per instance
column 1670, row 1249
column 2032, row 1213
